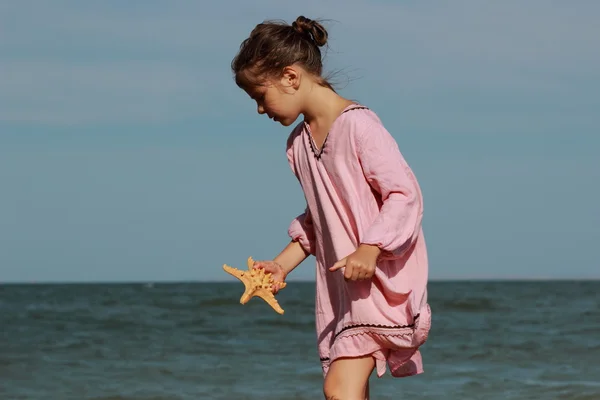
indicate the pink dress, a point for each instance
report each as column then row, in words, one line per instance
column 359, row 189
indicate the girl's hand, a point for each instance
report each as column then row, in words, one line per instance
column 360, row 264
column 276, row 270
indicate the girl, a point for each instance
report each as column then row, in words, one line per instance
column 363, row 216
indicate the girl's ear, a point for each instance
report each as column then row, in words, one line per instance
column 291, row 78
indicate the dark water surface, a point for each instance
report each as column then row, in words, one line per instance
column 496, row 340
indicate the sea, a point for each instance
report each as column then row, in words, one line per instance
column 176, row 341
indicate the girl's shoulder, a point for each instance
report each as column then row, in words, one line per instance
column 357, row 120
column 359, row 111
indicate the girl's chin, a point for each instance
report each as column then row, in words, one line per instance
column 286, row 121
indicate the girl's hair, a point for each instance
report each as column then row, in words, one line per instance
column 274, row 45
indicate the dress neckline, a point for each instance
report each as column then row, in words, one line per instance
column 313, row 146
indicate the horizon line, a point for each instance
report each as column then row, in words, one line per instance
column 176, row 281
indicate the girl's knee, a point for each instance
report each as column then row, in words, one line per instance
column 348, row 380
column 338, row 392
column 331, row 390
column 333, row 393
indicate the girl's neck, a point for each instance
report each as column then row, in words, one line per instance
column 323, row 105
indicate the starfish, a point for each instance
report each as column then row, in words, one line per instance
column 257, row 283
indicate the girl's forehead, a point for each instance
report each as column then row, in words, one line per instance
column 254, row 87
column 247, row 79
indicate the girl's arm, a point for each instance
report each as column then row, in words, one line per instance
column 399, row 221
column 291, row 256
column 301, row 231
column 280, row 267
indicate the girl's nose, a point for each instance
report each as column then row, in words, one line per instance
column 261, row 109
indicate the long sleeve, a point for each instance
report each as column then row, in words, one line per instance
column 301, row 228
column 399, row 221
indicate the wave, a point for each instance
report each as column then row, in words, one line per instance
column 479, row 304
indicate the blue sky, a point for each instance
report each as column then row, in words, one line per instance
column 127, row 153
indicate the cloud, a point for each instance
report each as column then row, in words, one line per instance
column 80, row 63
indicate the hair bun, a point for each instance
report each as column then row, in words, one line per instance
column 311, row 29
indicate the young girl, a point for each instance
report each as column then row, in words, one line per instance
column 363, row 216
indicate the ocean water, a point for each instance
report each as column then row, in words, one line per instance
column 489, row 340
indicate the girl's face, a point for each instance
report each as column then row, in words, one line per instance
column 280, row 99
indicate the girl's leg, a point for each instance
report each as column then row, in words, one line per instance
column 347, row 378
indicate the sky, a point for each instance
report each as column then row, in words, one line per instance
column 127, row 153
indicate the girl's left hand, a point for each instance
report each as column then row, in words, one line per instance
column 360, row 264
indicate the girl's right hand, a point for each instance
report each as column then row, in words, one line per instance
column 276, row 270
